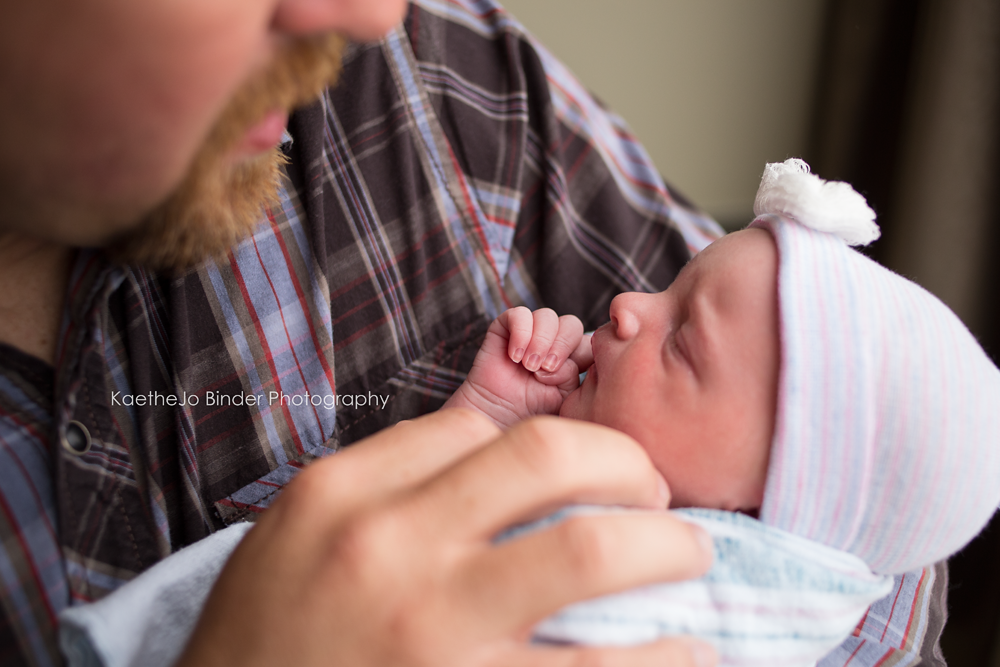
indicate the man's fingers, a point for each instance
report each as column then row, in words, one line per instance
column 538, row 466
column 544, row 330
column 566, row 341
column 397, row 458
column 680, row 652
column 529, row 577
column 519, row 323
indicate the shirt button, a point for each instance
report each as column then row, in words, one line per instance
column 76, row 438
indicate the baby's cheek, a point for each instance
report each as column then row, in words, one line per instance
column 682, row 465
column 674, row 473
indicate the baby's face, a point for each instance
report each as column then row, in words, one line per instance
column 692, row 373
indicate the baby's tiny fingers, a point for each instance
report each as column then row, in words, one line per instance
column 519, row 324
column 566, row 341
column 546, row 326
column 583, row 355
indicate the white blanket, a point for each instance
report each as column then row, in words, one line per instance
column 771, row 599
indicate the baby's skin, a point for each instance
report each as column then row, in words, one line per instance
column 691, row 372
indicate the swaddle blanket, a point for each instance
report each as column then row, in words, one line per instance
column 147, row 622
column 771, row 599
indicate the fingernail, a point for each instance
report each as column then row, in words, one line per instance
column 550, row 362
column 533, row 362
column 518, row 355
column 704, row 655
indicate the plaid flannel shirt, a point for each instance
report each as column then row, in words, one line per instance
column 456, row 170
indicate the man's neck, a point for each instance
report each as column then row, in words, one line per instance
column 33, row 276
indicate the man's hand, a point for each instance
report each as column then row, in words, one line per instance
column 383, row 555
column 529, row 362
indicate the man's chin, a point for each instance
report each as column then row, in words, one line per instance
column 224, row 194
column 215, row 207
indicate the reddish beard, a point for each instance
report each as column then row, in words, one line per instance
column 220, row 201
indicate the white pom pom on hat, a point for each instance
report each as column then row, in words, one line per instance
column 789, row 189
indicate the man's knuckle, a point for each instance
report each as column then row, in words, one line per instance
column 365, row 540
column 545, row 447
column 407, row 625
column 590, row 548
column 313, row 490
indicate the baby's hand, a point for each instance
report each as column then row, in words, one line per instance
column 529, row 363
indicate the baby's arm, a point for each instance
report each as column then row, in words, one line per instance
column 529, row 362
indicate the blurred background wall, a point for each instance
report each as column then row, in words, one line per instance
column 713, row 88
column 899, row 97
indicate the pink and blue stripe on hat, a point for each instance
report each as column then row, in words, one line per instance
column 887, row 436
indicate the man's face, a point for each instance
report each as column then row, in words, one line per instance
column 108, row 102
column 692, row 373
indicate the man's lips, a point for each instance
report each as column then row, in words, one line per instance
column 262, row 136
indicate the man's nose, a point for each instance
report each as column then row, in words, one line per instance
column 358, row 20
column 627, row 313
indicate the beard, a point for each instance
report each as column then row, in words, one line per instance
column 221, row 201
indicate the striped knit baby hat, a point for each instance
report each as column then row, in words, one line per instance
column 887, row 435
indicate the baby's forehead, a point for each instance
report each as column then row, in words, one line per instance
column 747, row 250
column 736, row 265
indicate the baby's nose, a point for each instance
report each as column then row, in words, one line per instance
column 625, row 314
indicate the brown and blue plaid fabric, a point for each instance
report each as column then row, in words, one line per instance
column 455, row 171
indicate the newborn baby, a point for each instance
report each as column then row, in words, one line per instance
column 691, row 373
column 786, row 376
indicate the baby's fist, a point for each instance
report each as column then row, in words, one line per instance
column 540, row 340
